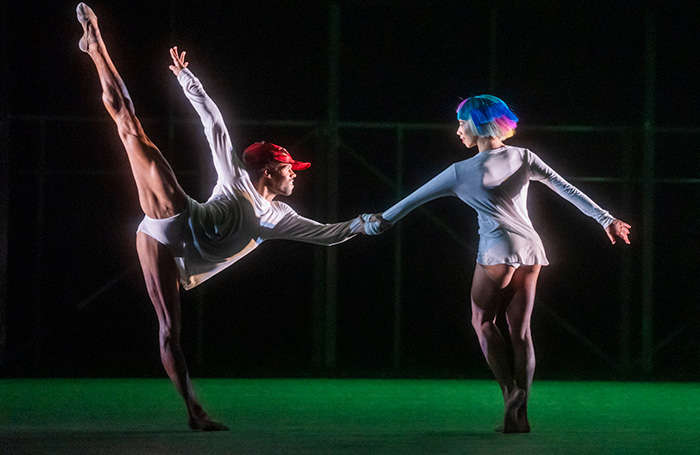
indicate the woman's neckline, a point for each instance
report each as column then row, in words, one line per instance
column 497, row 149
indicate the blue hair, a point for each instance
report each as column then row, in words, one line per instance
column 488, row 115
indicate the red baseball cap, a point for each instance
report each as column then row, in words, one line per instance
column 261, row 152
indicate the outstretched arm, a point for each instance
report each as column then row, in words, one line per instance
column 545, row 174
column 226, row 162
column 439, row 186
column 292, row 226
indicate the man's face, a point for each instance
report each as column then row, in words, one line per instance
column 281, row 179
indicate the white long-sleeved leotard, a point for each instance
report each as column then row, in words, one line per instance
column 208, row 237
column 495, row 183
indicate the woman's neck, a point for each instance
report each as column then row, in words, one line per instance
column 488, row 143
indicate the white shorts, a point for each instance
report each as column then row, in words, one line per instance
column 172, row 232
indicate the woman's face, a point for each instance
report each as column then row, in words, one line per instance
column 465, row 134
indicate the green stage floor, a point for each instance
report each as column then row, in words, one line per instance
column 329, row 416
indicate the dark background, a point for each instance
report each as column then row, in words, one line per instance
column 584, row 77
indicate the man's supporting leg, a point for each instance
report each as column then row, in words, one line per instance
column 161, row 275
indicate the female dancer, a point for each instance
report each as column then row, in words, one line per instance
column 495, row 183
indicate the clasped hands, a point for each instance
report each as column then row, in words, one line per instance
column 374, row 224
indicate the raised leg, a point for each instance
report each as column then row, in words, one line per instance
column 160, row 194
column 161, row 275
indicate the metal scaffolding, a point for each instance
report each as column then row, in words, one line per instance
column 326, row 261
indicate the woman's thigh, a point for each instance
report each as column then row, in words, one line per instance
column 488, row 288
column 521, row 298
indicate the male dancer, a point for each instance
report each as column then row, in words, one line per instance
column 184, row 242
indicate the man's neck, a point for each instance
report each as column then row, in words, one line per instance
column 264, row 190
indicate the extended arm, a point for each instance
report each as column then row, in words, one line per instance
column 296, row 227
column 545, row 174
column 226, row 162
column 440, row 186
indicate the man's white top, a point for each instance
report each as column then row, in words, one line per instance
column 206, row 238
column 495, row 184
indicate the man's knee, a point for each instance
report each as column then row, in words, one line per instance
column 113, row 99
column 167, row 337
column 127, row 126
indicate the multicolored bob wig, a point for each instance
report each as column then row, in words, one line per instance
column 487, row 115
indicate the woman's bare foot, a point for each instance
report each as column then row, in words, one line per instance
column 510, row 419
column 523, row 422
column 204, row 423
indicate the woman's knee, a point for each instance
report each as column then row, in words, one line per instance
column 520, row 334
column 482, row 322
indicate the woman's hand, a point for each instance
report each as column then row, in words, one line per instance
column 179, row 62
column 618, row 229
column 374, row 224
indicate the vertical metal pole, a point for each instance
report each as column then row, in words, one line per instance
column 198, row 294
column 398, row 255
column 626, row 266
column 332, row 181
column 493, row 43
column 648, row 195
column 4, row 181
column 171, row 119
column 38, row 283
column 4, row 229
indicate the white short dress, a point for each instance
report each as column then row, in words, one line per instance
column 495, row 184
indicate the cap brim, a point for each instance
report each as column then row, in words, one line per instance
column 300, row 165
column 286, row 158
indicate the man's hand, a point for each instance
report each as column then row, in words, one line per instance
column 374, row 224
column 179, row 62
column 618, row 229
